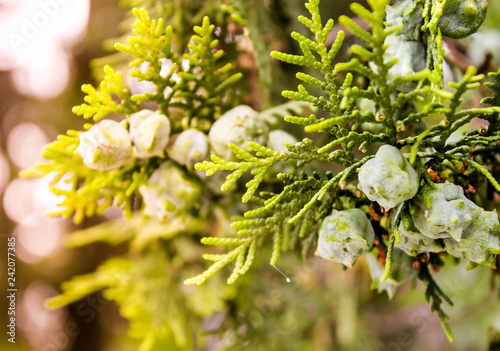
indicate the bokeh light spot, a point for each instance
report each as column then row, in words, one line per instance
column 24, row 143
column 40, row 240
column 34, row 40
column 4, row 171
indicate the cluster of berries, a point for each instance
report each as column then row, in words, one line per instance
column 444, row 218
column 109, row 145
column 459, row 19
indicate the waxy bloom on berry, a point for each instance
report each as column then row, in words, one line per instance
column 344, row 236
column 462, row 18
column 105, row 146
column 449, row 212
column 480, row 241
column 168, row 191
column 150, row 132
column 189, row 147
column 388, row 178
column 238, row 126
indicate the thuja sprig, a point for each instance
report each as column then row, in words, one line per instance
column 200, row 91
column 101, row 102
column 196, row 82
column 436, row 296
column 302, row 204
column 305, row 201
column 86, row 192
column 433, row 9
column 293, row 207
column 317, row 56
column 151, row 44
column 145, row 305
column 373, row 51
column 371, row 62
column 207, row 98
column 271, row 219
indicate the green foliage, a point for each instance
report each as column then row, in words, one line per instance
column 137, row 230
column 202, row 92
column 192, row 89
column 164, row 322
column 200, row 87
column 100, row 103
column 351, row 108
column 182, row 16
column 86, row 192
column 436, row 296
column 306, row 200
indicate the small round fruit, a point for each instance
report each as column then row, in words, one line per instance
column 480, row 242
column 388, row 178
column 344, row 236
column 168, row 191
column 238, row 126
column 450, row 212
column 105, row 146
column 150, row 132
column 462, row 18
column 189, row 147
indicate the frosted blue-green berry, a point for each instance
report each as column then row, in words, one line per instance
column 450, row 212
column 344, row 236
column 140, row 87
column 407, row 14
column 401, row 271
column 388, row 178
column 462, row 18
column 405, row 44
column 189, row 147
column 278, row 138
column 480, row 242
column 412, row 242
column 276, row 142
column 168, row 191
column 105, row 146
column 238, row 126
column 150, row 132
column 411, row 59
